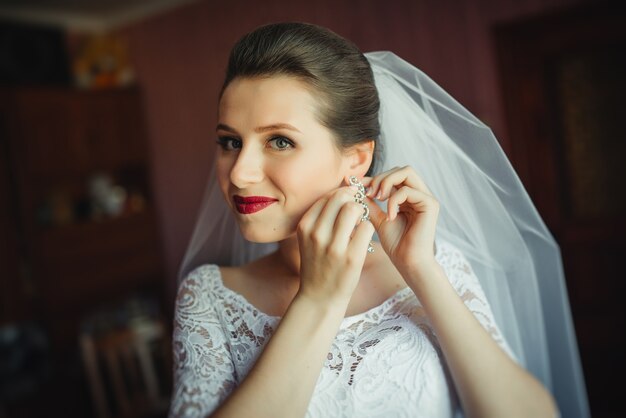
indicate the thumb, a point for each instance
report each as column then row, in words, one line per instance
column 377, row 215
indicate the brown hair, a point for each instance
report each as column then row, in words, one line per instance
column 337, row 72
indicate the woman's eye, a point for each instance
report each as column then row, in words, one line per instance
column 228, row 143
column 280, row 143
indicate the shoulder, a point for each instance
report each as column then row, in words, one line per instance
column 213, row 281
column 200, row 275
column 200, row 283
column 201, row 294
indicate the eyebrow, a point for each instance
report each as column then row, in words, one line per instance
column 260, row 129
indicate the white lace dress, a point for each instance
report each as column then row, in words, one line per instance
column 383, row 363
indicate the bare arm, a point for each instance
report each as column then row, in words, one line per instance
column 489, row 382
column 282, row 381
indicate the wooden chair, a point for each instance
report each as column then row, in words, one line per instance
column 123, row 373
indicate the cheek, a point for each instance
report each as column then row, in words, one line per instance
column 305, row 182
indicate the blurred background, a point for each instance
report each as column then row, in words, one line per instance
column 107, row 114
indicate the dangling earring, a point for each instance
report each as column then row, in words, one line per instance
column 359, row 198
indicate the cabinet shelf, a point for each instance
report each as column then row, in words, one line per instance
column 57, row 141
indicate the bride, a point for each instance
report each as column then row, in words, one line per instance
column 355, row 258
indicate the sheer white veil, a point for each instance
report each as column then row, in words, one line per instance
column 485, row 212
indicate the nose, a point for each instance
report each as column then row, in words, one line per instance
column 247, row 169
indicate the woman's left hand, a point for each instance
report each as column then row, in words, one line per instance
column 407, row 230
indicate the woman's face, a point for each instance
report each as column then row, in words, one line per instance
column 274, row 158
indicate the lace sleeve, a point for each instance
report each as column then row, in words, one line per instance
column 203, row 368
column 468, row 287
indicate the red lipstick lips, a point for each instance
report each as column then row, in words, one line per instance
column 252, row 204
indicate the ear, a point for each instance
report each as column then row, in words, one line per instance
column 359, row 157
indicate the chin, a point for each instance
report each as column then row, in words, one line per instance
column 262, row 235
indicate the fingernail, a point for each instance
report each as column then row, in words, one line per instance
column 368, row 192
column 378, row 195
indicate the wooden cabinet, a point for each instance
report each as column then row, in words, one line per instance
column 72, row 257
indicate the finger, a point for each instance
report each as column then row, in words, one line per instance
column 377, row 215
column 392, row 179
column 374, row 184
column 420, row 201
column 357, row 247
column 414, row 180
column 325, row 223
column 349, row 217
column 307, row 222
column 404, row 176
column 367, row 181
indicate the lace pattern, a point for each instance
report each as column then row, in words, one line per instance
column 385, row 362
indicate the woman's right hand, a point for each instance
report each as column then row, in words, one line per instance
column 332, row 251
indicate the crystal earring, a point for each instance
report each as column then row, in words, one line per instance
column 359, row 198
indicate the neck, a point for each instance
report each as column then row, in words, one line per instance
column 289, row 254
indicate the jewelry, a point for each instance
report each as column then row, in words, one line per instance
column 359, row 198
